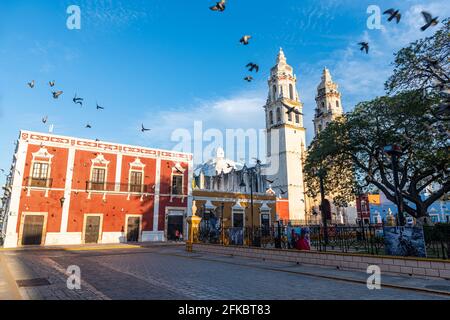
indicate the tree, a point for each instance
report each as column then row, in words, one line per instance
column 337, row 170
column 415, row 116
column 425, row 65
column 357, row 143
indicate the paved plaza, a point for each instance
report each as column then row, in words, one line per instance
column 167, row 271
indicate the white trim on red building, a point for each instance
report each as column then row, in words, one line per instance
column 69, row 197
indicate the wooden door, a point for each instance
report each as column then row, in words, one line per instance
column 133, row 227
column 33, row 228
column 92, row 229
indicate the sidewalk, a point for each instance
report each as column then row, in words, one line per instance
column 8, row 287
column 97, row 246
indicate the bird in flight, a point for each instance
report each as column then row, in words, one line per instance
column 252, row 66
column 51, row 83
column 430, row 21
column 364, row 46
column 88, row 126
column 98, row 107
column 44, row 119
column 292, row 109
column 143, row 129
column 244, row 39
column 56, row 94
column 77, row 100
column 220, row 6
column 248, row 78
column 31, row 84
column 282, row 191
column 97, row 140
column 271, row 181
column 393, row 14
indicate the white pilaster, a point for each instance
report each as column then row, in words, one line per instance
column 67, row 190
column 156, row 198
column 13, row 212
column 118, row 172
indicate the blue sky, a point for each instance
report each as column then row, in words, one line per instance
column 168, row 63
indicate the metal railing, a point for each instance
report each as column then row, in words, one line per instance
column 366, row 239
column 121, row 187
column 39, row 182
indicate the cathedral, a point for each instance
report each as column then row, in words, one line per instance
column 282, row 173
column 286, row 137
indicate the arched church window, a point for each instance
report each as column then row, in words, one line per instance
column 271, row 117
column 337, row 104
column 290, row 116
column 291, row 92
column 297, row 118
column 274, row 92
column 323, row 105
column 278, row 115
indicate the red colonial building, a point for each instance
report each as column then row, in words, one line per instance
column 66, row 190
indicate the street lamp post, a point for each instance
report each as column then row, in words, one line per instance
column 221, row 223
column 321, row 174
column 243, row 185
column 395, row 151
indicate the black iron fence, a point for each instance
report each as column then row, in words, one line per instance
column 366, row 239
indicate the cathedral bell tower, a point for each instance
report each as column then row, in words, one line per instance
column 328, row 102
column 285, row 137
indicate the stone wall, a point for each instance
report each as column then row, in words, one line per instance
column 396, row 265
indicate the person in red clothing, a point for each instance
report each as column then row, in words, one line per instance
column 302, row 243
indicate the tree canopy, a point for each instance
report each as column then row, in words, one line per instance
column 351, row 149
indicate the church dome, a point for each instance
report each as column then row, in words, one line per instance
column 217, row 165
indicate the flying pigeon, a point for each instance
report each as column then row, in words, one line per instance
column 430, row 21
column 248, row 78
column 252, row 66
column 98, row 107
column 271, row 181
column 282, row 191
column 31, row 84
column 244, row 39
column 51, row 83
column 88, row 126
column 393, row 14
column 143, row 129
column 220, row 6
column 364, row 46
column 44, row 119
column 77, row 100
column 56, row 94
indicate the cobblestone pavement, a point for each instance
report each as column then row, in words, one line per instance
column 169, row 272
